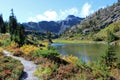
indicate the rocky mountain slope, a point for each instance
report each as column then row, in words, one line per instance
column 96, row 22
column 52, row 26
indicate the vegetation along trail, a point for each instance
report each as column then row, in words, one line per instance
column 29, row 67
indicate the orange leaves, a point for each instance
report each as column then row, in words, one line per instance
column 8, row 72
column 12, row 47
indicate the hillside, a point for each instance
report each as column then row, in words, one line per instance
column 52, row 26
column 114, row 28
column 95, row 22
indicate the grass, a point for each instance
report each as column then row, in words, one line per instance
column 75, row 41
column 10, row 69
column 81, row 71
column 56, row 67
column 114, row 27
column 52, row 66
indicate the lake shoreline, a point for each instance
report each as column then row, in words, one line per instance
column 77, row 41
column 85, row 42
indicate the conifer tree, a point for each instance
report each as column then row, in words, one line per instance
column 110, row 36
column 12, row 25
column 21, row 35
column 6, row 26
column 16, row 30
column 49, row 36
column 110, row 58
column 2, row 26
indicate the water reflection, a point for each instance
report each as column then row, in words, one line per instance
column 88, row 52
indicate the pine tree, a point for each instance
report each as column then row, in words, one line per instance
column 2, row 26
column 110, row 58
column 7, row 26
column 12, row 25
column 21, row 35
column 110, row 36
column 49, row 36
column 16, row 30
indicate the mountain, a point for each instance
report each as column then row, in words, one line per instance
column 52, row 26
column 95, row 22
column 114, row 28
column 68, row 22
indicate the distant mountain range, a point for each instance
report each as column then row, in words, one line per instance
column 53, row 26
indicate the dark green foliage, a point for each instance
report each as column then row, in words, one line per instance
column 118, row 65
column 97, row 39
column 110, row 36
column 46, row 53
column 110, row 58
column 96, row 21
column 49, row 36
column 7, row 27
column 116, row 29
column 16, row 30
column 12, row 24
column 2, row 25
column 10, row 69
column 20, row 35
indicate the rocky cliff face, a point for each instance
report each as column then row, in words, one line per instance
column 52, row 26
column 98, row 20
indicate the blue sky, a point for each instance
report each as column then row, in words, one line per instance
column 38, row 10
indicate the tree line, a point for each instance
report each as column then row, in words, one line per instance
column 15, row 29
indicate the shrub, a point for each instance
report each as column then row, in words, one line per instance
column 111, row 36
column 97, row 39
column 27, row 49
column 12, row 47
column 46, row 53
column 71, row 59
column 45, row 70
column 1, row 49
column 110, row 58
column 8, row 66
column 66, row 72
column 17, row 52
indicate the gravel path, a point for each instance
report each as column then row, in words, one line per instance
column 29, row 67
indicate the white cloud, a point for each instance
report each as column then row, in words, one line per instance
column 86, row 10
column 50, row 15
column 65, row 13
column 69, row 11
column 33, row 19
column 53, row 15
column 47, row 16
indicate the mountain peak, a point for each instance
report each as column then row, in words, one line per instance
column 71, row 17
column 52, row 26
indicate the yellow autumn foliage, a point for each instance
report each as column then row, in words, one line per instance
column 12, row 47
column 1, row 49
column 27, row 49
column 70, row 58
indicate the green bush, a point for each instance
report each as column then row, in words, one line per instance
column 110, row 58
column 111, row 36
column 46, row 53
column 10, row 69
column 97, row 39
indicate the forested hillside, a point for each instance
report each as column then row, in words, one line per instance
column 94, row 23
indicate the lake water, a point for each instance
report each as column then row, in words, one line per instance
column 87, row 52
